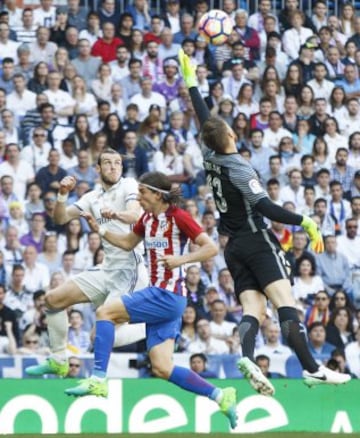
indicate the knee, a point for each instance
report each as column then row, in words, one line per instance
column 52, row 301
column 102, row 314
column 161, row 370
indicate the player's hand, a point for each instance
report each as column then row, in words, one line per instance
column 187, row 69
column 171, row 262
column 107, row 213
column 312, row 230
column 67, row 184
column 91, row 221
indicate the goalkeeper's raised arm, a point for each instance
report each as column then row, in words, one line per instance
column 189, row 77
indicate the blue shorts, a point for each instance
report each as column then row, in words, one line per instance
column 160, row 309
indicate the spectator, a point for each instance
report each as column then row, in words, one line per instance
column 350, row 83
column 50, row 255
column 73, row 239
column 263, row 362
column 125, row 26
column 8, row 326
column 274, row 349
column 103, row 110
column 294, row 191
column 118, row 103
column 37, row 151
column 64, row 104
column 48, row 177
column 306, row 282
column 57, row 33
column 195, row 289
column 78, row 338
column 12, row 250
column 17, row 218
column 342, row 173
column 147, row 97
column 101, row 87
column 348, row 243
column 352, row 354
column 83, row 171
column 188, row 327
column 318, row 346
column 105, row 47
column 198, row 363
column 20, row 170
column 299, row 244
column 113, row 131
column 37, row 275
column 86, row 65
column 296, row 35
column 319, row 310
column 220, row 327
column 38, row 83
column 92, row 32
column 75, row 365
column 76, row 14
column 321, row 155
column 205, row 342
column 248, row 35
column 140, row 12
column 119, row 67
column 186, row 29
column 36, row 234
column 18, row 297
column 167, row 47
column 332, row 137
column 327, row 222
column 34, row 315
column 31, row 344
column 42, row 50
column 333, row 267
column 339, row 330
column 133, row 156
column 227, row 295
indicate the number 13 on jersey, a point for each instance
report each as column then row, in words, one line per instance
column 215, row 183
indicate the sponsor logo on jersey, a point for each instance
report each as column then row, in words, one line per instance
column 102, row 220
column 156, row 243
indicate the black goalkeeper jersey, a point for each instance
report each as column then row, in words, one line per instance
column 236, row 190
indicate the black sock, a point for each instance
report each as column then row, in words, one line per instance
column 294, row 334
column 248, row 329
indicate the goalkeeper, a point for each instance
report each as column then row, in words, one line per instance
column 253, row 254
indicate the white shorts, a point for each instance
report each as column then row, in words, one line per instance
column 107, row 285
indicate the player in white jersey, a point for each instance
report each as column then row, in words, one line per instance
column 114, row 206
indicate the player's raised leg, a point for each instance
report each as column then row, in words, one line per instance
column 294, row 333
column 254, row 304
column 57, row 300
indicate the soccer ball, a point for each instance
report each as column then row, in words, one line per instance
column 215, row 27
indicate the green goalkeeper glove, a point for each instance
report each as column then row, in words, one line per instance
column 187, row 70
column 312, row 230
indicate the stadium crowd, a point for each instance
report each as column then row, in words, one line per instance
column 73, row 81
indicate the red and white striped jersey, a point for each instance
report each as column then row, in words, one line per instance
column 166, row 234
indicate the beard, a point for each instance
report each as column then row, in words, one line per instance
column 109, row 181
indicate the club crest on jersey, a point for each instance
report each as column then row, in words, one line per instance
column 163, row 225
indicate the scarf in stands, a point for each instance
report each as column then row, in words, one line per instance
column 316, row 316
column 148, row 71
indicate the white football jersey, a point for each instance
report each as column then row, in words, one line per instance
column 115, row 198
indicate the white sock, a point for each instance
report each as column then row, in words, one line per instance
column 58, row 331
column 126, row 334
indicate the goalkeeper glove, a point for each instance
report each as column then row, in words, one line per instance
column 312, row 230
column 187, row 70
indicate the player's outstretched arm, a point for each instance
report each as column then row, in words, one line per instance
column 276, row 213
column 189, row 76
column 63, row 213
column 124, row 241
